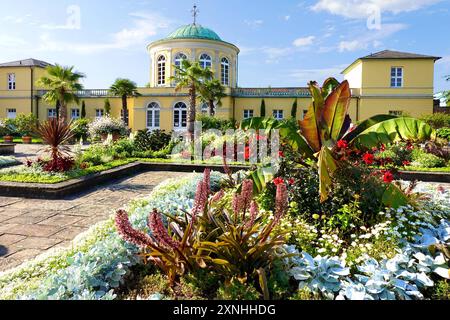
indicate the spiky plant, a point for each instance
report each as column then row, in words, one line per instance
column 56, row 133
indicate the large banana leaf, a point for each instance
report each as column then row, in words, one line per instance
column 394, row 130
column 395, row 198
column 328, row 86
column 366, row 125
column 336, row 108
column 261, row 177
column 327, row 167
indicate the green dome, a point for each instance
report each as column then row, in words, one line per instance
column 194, row 31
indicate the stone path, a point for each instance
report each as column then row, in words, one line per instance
column 30, row 227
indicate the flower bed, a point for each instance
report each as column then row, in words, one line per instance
column 98, row 258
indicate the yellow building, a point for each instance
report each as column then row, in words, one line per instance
column 382, row 83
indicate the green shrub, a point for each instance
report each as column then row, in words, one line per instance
column 80, row 129
column 26, row 124
column 236, row 290
column 209, row 123
column 442, row 290
column 426, row 160
column 444, row 133
column 146, row 140
column 437, row 120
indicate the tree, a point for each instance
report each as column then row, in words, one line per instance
column 83, row 109
column 263, row 108
column 212, row 92
column 193, row 77
column 124, row 88
column 62, row 84
column 107, row 107
column 294, row 109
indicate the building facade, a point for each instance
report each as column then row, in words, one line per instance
column 387, row 82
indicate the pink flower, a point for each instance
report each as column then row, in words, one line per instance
column 218, row 196
column 129, row 234
column 254, row 210
column 201, row 195
column 160, row 232
column 281, row 202
column 241, row 202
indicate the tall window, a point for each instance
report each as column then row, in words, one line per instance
column 278, row 114
column 51, row 113
column 11, row 81
column 179, row 58
column 205, row 61
column 11, row 113
column 180, row 116
column 396, row 77
column 153, row 116
column 225, row 72
column 248, row 114
column 75, row 113
column 99, row 113
column 161, row 70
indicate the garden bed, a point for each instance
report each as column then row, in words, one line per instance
column 100, row 265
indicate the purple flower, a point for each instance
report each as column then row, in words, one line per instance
column 160, row 232
column 129, row 234
column 254, row 211
column 202, row 195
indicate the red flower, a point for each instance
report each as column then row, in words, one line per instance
column 406, row 163
column 281, row 154
column 247, row 153
column 291, row 181
column 409, row 146
column 383, row 148
column 388, row 177
column 368, row 158
column 374, row 149
column 342, row 144
column 278, row 181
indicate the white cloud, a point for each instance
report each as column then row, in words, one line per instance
column 303, row 76
column 361, row 9
column 254, row 24
column 7, row 41
column 304, row 42
column 143, row 27
column 287, row 18
column 371, row 38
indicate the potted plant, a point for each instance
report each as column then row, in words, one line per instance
column 105, row 126
column 26, row 126
column 7, row 130
column 80, row 128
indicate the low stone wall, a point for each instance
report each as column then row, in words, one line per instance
column 7, row 148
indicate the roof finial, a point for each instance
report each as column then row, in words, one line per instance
column 195, row 12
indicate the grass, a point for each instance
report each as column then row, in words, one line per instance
column 417, row 169
column 19, row 140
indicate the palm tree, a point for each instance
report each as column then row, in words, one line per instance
column 124, row 88
column 212, row 92
column 193, row 77
column 61, row 84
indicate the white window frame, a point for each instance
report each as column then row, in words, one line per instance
column 396, row 78
column 249, row 113
column 225, row 71
column 153, row 116
column 179, row 58
column 11, row 81
column 180, row 110
column 11, row 113
column 205, row 61
column 278, row 114
column 99, row 113
column 75, row 113
column 161, row 70
column 52, row 113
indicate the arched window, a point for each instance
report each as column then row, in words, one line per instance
column 205, row 61
column 205, row 108
column 225, row 72
column 153, row 116
column 161, row 70
column 180, row 116
column 179, row 58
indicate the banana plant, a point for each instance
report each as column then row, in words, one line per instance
column 327, row 122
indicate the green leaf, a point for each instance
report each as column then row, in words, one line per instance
column 366, row 125
column 263, row 283
column 336, row 108
column 327, row 167
column 393, row 197
column 261, row 177
column 328, row 86
column 394, row 130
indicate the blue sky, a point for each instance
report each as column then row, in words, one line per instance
column 283, row 42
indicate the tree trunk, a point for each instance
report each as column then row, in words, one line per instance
column 191, row 111
column 63, row 107
column 125, row 109
column 212, row 112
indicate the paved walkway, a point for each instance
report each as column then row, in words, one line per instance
column 30, row 227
